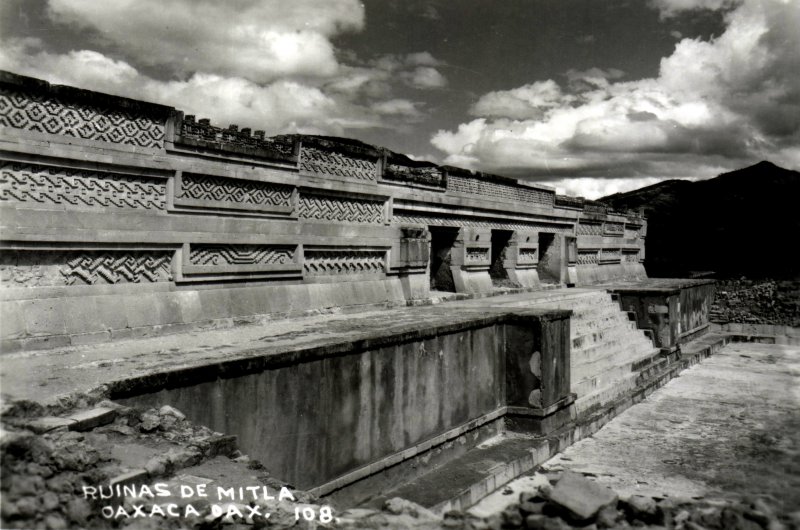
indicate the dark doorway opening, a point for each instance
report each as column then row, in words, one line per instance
column 549, row 267
column 500, row 243
column 442, row 240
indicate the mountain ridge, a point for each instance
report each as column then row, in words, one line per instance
column 741, row 222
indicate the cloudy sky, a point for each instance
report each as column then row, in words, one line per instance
column 590, row 96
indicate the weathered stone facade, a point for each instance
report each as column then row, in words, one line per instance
column 143, row 221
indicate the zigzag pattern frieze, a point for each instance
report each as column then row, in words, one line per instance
column 499, row 191
column 90, row 268
column 590, row 229
column 337, row 164
column 211, row 188
column 240, row 255
column 335, row 209
column 330, row 262
column 31, row 183
column 402, row 218
column 52, row 115
column 587, row 258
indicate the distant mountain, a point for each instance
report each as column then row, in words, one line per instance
column 746, row 222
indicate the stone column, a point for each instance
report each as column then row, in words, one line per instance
column 471, row 259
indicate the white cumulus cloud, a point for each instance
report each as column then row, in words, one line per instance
column 714, row 106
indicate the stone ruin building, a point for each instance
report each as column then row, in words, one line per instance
column 123, row 219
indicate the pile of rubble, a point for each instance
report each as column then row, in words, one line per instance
column 575, row 501
column 49, row 461
column 757, row 302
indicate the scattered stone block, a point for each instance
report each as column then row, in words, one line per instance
column 580, row 498
column 48, row 423
column 89, row 419
column 641, row 508
column 166, row 410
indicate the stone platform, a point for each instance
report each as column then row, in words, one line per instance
column 727, row 428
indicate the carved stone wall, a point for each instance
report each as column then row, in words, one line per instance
column 425, row 176
column 345, row 209
column 52, row 114
column 44, row 268
column 202, row 134
column 476, row 222
column 32, row 183
column 210, row 191
column 589, row 229
column 499, row 191
column 336, row 262
column 630, row 257
column 215, row 255
column 324, row 162
column 610, row 255
column 588, row 257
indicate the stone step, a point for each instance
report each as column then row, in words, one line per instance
column 606, row 394
column 612, row 331
column 610, row 346
column 629, row 359
column 605, row 378
column 463, row 481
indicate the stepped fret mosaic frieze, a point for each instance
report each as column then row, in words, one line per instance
column 614, row 228
column 630, row 257
column 31, row 183
column 340, row 209
column 587, row 258
column 334, row 262
column 499, row 191
column 215, row 255
column 112, row 267
column 472, row 222
column 53, row 115
column 323, row 162
column 224, row 190
column 590, row 229
column 526, row 255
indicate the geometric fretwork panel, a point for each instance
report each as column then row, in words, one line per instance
column 590, row 229
column 465, row 221
column 328, row 262
column 54, row 115
column 206, row 255
column 587, row 258
column 52, row 268
column 340, row 209
column 322, row 162
column 245, row 192
column 32, row 183
column 499, row 191
column 91, row 267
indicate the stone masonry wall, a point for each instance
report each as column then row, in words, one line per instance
column 124, row 218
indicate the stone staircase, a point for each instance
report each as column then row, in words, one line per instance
column 609, row 357
column 608, row 352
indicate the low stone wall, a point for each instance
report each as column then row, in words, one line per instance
column 674, row 310
column 333, row 416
